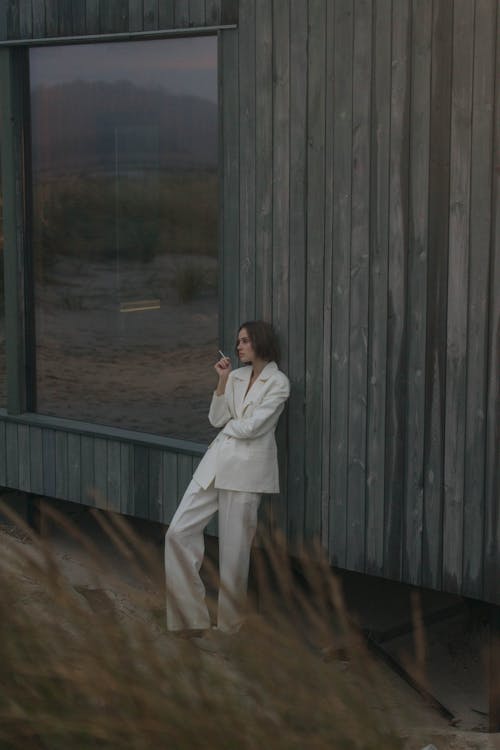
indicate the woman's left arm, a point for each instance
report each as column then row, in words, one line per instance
column 265, row 416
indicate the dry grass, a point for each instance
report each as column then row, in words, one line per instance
column 80, row 677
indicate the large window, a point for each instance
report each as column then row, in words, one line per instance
column 124, row 165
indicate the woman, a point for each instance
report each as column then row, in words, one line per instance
column 239, row 465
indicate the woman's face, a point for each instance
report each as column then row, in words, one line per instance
column 244, row 347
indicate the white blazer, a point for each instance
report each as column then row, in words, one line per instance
column 243, row 456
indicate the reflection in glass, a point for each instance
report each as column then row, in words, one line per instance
column 124, row 162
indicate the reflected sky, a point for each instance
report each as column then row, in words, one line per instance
column 181, row 66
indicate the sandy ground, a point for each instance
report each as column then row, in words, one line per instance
column 417, row 722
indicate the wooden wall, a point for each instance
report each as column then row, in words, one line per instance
column 361, row 214
column 38, row 19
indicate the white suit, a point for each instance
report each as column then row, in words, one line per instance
column 239, row 465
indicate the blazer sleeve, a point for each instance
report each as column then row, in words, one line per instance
column 265, row 416
column 219, row 413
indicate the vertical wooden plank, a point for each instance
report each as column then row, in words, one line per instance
column 169, row 485
column 230, row 262
column 141, row 481
column 379, row 243
column 49, row 462
column 12, row 456
column 92, row 16
column 477, row 325
column 342, row 187
column 36, row 460
column 25, row 19
column 296, row 489
column 246, row 86
column 181, row 13
column 437, row 264
column 281, row 222
column 78, row 18
column 65, row 17
column 52, row 17
column 100, row 473
column 358, row 316
column 229, row 11
column 13, row 19
column 38, row 13
column 417, row 286
column 155, row 512
column 87, row 470
column 74, row 468
column 196, row 12
column 184, row 473
column 127, row 478
column 459, row 249
column 166, row 14
column 492, row 509
column 3, row 453
column 150, row 15
column 113, row 17
column 113, row 475
column 213, row 12
column 23, row 443
column 3, row 21
column 396, row 325
column 136, row 15
column 263, row 160
column 62, row 465
column 314, row 270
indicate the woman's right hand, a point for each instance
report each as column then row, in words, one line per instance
column 223, row 367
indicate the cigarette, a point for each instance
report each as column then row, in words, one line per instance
column 222, row 354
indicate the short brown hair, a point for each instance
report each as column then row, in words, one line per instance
column 264, row 339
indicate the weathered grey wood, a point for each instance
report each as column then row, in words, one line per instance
column 379, row 243
column 62, row 465
column 155, row 510
column 23, row 442
column 13, row 74
column 264, row 162
column 184, row 474
column 74, row 468
column 3, row 452
column 396, row 329
column 439, row 170
column 229, row 242
column 417, row 287
column 113, row 16
column 79, row 21
column 65, row 18
column 196, row 12
column 141, row 481
column 314, row 270
column 92, row 16
column 113, row 487
column 181, row 13
column 36, row 460
column 127, row 478
column 136, row 15
column 38, row 13
column 87, row 476
column 491, row 590
column 246, row 86
column 49, row 462
column 3, row 21
column 297, row 265
column 13, row 19
column 51, row 17
column 150, row 14
column 342, row 146
column 100, row 473
column 169, row 483
column 213, row 12
column 25, row 18
column 166, row 14
column 477, row 324
column 459, row 248
column 11, row 456
column 359, row 294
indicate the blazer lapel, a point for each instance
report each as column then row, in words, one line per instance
column 241, row 381
column 256, row 388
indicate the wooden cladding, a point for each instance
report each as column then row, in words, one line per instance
column 38, row 19
column 361, row 215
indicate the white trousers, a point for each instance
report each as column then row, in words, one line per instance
column 184, row 550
